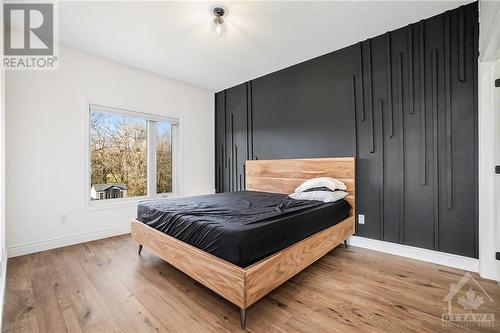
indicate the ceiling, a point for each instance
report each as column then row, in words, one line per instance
column 177, row 40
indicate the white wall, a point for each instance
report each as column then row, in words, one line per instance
column 45, row 113
column 3, row 248
column 489, row 36
column 496, row 149
column 489, row 109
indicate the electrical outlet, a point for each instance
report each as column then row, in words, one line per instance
column 361, row 219
column 64, row 218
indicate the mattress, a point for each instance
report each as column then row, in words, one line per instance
column 240, row 227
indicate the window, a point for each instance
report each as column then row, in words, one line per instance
column 130, row 154
column 163, row 157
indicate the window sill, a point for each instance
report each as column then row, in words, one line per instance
column 120, row 203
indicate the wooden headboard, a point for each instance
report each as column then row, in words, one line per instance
column 283, row 176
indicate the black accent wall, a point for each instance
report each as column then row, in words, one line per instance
column 404, row 103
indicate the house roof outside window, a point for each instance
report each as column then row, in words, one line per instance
column 104, row 187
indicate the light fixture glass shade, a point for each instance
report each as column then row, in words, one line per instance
column 218, row 14
column 218, row 29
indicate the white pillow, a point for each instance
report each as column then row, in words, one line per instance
column 325, row 196
column 328, row 182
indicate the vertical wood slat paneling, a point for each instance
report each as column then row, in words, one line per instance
column 247, row 95
column 249, row 122
column 219, row 183
column 221, row 177
column 361, row 73
column 370, row 99
column 216, row 146
column 354, row 112
column 251, row 116
column 411, row 108
column 461, row 45
column 354, row 107
column 372, row 129
column 231, row 165
column 247, row 134
column 354, row 94
column 230, row 172
column 423, row 120
column 382, row 156
column 475, row 56
column 400, row 64
column 244, row 177
column 447, row 87
column 434, row 61
column 399, row 72
column 438, row 54
column 225, row 127
column 389, row 84
column 235, row 166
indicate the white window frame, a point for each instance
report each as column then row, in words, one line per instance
column 151, row 155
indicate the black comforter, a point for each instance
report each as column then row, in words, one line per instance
column 240, row 227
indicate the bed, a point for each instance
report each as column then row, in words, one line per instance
column 242, row 245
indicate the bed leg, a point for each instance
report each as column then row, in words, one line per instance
column 346, row 244
column 243, row 318
column 140, row 249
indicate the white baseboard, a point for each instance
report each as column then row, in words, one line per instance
column 19, row 250
column 3, row 280
column 441, row 258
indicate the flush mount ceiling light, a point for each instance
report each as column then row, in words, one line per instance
column 218, row 12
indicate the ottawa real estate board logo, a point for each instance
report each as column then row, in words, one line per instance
column 467, row 304
column 30, row 36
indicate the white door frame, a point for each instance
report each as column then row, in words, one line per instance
column 489, row 267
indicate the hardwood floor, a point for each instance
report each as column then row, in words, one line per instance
column 104, row 286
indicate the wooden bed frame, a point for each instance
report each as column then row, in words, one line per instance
column 245, row 286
